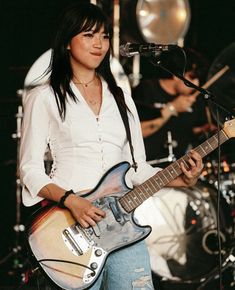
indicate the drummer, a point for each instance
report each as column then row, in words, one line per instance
column 176, row 109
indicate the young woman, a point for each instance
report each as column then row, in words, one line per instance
column 78, row 114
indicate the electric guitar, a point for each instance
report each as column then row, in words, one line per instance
column 72, row 256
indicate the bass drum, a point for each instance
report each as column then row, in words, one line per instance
column 183, row 244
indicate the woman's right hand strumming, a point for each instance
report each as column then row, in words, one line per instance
column 84, row 211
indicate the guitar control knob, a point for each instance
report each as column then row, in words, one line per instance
column 94, row 265
column 98, row 253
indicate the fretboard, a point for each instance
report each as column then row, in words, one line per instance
column 139, row 194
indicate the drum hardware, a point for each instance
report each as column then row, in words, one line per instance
column 19, row 116
column 209, row 242
column 210, row 172
column 18, row 227
column 116, row 27
column 170, row 145
column 229, row 262
column 152, row 18
column 182, row 244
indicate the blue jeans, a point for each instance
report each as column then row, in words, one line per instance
column 126, row 269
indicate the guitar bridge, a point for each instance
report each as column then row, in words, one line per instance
column 77, row 240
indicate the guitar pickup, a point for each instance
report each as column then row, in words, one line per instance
column 115, row 210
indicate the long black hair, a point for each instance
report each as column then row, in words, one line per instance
column 76, row 18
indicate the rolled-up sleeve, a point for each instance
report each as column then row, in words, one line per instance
column 34, row 136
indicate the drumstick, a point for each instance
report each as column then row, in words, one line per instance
column 212, row 80
column 209, row 83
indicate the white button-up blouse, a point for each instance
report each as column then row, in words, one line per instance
column 83, row 147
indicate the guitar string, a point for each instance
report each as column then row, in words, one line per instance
column 199, row 149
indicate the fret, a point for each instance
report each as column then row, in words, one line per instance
column 173, row 171
column 153, row 184
column 146, row 192
column 209, row 145
column 129, row 201
column 124, row 204
column 158, row 180
column 135, row 201
column 149, row 191
column 184, row 159
column 167, row 176
column 142, row 192
column 204, row 150
column 137, row 197
column 177, row 166
column 225, row 136
column 163, row 175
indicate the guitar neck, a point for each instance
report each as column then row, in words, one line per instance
column 139, row 194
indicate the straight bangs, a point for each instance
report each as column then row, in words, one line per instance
column 96, row 25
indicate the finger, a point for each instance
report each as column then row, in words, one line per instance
column 100, row 212
column 184, row 170
column 83, row 223
column 195, row 155
column 95, row 211
column 196, row 158
column 96, row 218
column 90, row 221
column 192, row 163
column 193, row 158
column 196, row 162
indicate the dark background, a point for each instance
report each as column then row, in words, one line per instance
column 26, row 28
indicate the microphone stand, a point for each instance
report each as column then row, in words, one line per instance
column 210, row 98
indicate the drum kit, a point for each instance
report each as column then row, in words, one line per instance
column 183, row 244
column 191, row 229
column 192, row 242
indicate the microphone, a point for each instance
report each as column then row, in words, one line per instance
column 130, row 49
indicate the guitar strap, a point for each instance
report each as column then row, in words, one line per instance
column 123, row 113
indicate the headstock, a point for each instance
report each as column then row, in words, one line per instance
column 229, row 128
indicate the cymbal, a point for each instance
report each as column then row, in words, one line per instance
column 163, row 21
column 147, row 112
column 224, row 88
